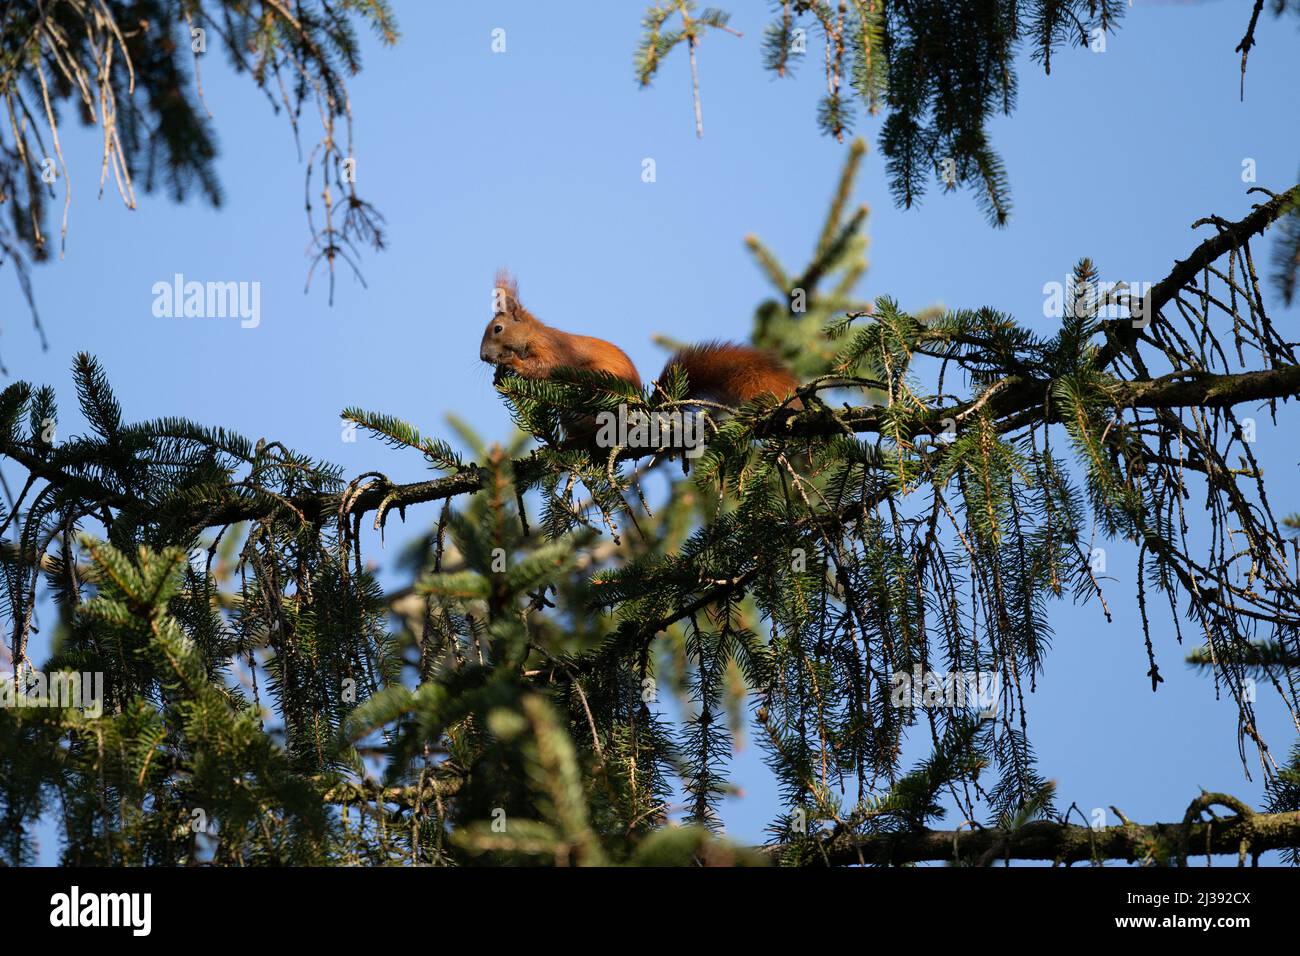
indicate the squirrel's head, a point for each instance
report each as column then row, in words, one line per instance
column 506, row 338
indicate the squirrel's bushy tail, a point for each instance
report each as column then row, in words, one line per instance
column 732, row 374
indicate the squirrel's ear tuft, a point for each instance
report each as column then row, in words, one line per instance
column 507, row 291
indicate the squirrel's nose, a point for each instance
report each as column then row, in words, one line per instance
column 484, row 354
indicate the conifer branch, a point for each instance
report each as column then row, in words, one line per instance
column 1058, row 842
column 1015, row 404
column 1231, row 235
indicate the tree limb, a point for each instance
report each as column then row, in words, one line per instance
column 1020, row 395
column 1064, row 843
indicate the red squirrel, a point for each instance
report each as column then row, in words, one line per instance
column 719, row 371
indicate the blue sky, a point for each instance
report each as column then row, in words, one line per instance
column 532, row 158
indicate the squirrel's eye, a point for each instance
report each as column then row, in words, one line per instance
column 499, row 329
